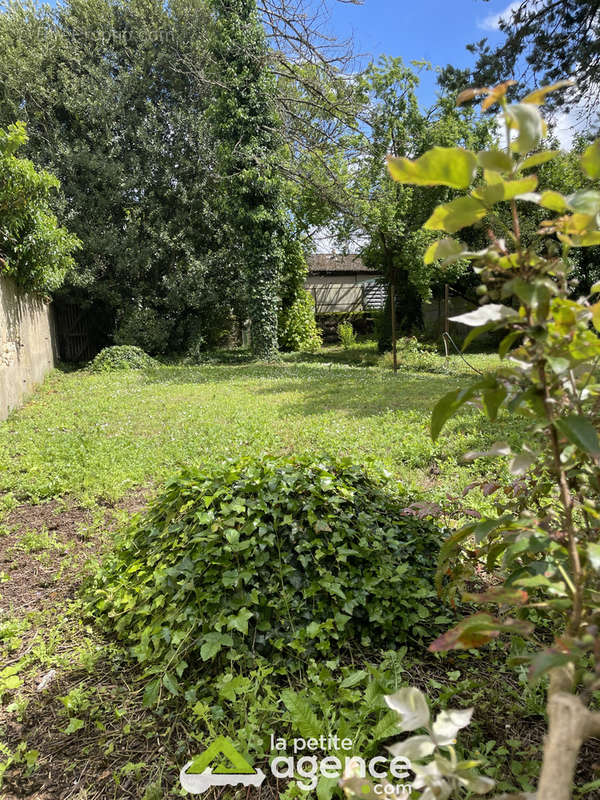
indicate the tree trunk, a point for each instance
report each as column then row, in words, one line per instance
column 570, row 723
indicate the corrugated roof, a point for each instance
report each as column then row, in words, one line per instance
column 334, row 262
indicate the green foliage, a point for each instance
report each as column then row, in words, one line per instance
column 387, row 216
column 346, row 333
column 284, row 559
column 145, row 329
column 121, row 357
column 542, row 544
column 157, row 119
column 244, row 123
column 431, row 756
column 34, row 249
column 298, row 329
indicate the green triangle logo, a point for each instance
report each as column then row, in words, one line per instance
column 221, row 748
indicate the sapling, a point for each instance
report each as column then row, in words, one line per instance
column 542, row 550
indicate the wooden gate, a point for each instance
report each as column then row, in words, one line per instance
column 74, row 341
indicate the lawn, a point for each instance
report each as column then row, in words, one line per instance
column 88, row 450
column 98, row 436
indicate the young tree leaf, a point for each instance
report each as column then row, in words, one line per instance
column 496, row 160
column 492, row 312
column 448, row 723
column 593, row 552
column 440, row 166
column 528, row 121
column 478, row 630
column 590, row 160
column 455, row 215
column 538, row 158
column 547, row 660
column 502, row 595
column 414, row 748
column 448, row 405
column 499, row 190
column 411, row 704
column 445, row 249
column 580, row 432
column 470, row 94
column 538, row 96
column 520, row 463
column 496, row 93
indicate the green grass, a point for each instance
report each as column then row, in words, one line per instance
column 91, row 436
column 88, row 436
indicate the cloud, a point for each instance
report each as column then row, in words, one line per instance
column 492, row 21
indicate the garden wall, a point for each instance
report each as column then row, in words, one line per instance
column 27, row 344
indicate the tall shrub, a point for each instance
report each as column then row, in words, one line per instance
column 34, row 249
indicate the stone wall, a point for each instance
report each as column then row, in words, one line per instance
column 27, row 345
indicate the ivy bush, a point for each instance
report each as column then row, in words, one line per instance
column 121, row 357
column 298, row 328
column 285, row 559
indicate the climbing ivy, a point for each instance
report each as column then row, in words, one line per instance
column 248, row 134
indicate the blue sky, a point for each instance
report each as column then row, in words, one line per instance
column 430, row 30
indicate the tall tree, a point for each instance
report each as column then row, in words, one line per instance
column 363, row 205
column 247, row 129
column 546, row 41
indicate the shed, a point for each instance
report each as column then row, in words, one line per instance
column 342, row 283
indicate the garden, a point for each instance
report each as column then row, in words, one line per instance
column 237, row 561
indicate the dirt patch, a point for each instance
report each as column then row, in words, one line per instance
column 42, row 557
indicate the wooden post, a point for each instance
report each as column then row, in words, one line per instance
column 393, row 313
column 445, row 308
column 445, row 337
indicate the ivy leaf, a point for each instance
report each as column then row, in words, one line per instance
column 170, row 684
column 213, row 642
column 590, row 160
column 240, row 621
column 580, row 432
column 151, row 693
column 459, row 213
column 440, row 166
column 74, row 725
